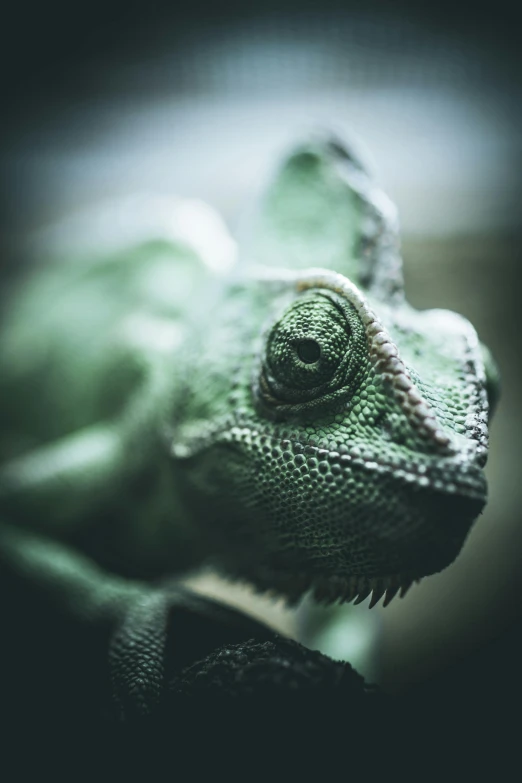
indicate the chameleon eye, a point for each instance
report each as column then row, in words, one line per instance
column 309, row 351
column 305, row 350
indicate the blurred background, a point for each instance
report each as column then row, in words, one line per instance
column 105, row 100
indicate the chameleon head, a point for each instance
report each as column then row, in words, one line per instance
column 350, row 459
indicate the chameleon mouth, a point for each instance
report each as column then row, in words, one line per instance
column 391, row 566
column 336, row 589
column 357, row 589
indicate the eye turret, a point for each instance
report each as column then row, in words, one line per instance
column 311, row 351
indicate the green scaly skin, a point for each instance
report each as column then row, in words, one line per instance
column 294, row 423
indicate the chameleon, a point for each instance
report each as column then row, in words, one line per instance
column 272, row 407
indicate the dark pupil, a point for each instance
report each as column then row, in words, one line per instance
column 308, row 351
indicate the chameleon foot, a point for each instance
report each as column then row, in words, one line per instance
column 163, row 632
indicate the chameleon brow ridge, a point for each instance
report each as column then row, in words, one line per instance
column 384, row 354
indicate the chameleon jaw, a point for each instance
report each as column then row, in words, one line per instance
column 291, row 578
column 337, row 589
column 358, row 589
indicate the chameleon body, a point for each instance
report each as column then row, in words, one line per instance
column 294, row 422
